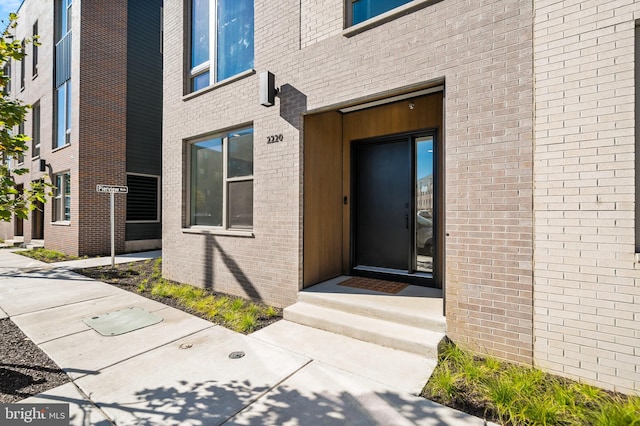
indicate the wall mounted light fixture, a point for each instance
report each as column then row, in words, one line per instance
column 268, row 89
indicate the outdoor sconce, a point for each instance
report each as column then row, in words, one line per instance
column 268, row 89
column 43, row 165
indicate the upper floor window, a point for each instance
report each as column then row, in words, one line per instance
column 35, row 130
column 62, row 135
column 20, row 156
column 221, row 40
column 22, row 67
column 63, row 18
column 6, row 72
column 34, row 51
column 361, row 10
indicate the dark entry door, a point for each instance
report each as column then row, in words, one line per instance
column 18, row 230
column 37, row 222
column 382, row 204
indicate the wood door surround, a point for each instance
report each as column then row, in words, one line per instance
column 327, row 174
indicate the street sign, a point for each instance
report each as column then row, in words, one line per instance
column 112, row 189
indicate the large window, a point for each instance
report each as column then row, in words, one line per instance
column 221, row 40
column 143, row 199
column 221, row 180
column 35, row 130
column 361, row 10
column 62, row 197
column 63, row 115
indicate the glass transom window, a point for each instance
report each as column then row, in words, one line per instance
column 221, row 40
column 221, row 181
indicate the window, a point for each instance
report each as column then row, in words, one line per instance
column 22, row 66
column 20, row 157
column 62, row 197
column 221, row 184
column 63, row 115
column 34, row 51
column 224, row 48
column 142, row 198
column 63, row 15
column 6, row 73
column 361, row 10
column 35, row 130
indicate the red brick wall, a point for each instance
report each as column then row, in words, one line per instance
column 102, row 122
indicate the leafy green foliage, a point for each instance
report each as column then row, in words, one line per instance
column 517, row 395
column 14, row 201
column 235, row 313
column 48, row 256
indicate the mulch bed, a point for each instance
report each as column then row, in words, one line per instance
column 129, row 276
column 25, row 370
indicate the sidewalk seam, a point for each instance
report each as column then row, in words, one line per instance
column 253, row 401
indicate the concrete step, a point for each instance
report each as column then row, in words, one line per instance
column 379, row 331
column 35, row 244
column 14, row 242
column 415, row 311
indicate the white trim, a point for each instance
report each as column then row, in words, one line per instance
column 211, row 230
column 214, row 86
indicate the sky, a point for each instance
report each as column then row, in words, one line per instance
column 7, row 7
column 425, row 158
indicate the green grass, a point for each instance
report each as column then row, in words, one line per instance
column 235, row 313
column 49, row 256
column 516, row 395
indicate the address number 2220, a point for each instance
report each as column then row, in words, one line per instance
column 275, row 138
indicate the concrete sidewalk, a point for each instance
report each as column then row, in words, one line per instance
column 182, row 370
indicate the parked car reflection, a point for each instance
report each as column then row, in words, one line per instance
column 424, row 233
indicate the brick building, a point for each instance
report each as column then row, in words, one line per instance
column 95, row 83
column 522, row 113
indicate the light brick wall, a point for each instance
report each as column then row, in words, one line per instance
column 587, row 296
column 320, row 20
column 483, row 51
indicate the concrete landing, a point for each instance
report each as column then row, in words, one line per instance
column 410, row 320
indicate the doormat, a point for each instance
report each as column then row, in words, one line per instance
column 122, row 321
column 382, row 286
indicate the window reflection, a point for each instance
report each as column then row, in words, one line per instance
column 424, row 204
column 365, row 9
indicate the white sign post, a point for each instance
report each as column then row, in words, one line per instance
column 112, row 189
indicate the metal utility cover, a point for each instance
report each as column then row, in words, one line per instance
column 123, row 321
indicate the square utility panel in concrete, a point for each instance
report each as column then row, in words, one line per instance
column 122, row 321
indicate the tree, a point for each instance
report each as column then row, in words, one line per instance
column 14, row 145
